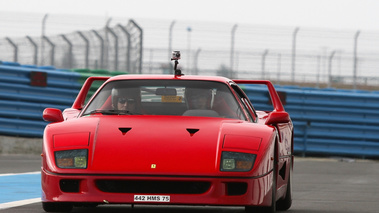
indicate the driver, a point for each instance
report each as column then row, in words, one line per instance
column 198, row 98
column 126, row 99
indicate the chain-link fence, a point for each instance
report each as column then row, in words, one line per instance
column 281, row 54
column 117, row 48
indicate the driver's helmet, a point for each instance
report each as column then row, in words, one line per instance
column 198, row 98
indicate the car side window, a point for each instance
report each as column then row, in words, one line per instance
column 245, row 103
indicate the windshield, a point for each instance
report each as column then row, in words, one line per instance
column 166, row 97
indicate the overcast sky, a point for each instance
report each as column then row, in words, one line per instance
column 335, row 14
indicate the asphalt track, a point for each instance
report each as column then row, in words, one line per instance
column 334, row 185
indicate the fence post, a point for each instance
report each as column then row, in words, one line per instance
column 294, row 53
column 278, row 68
column 127, row 66
column 101, row 48
column 263, row 63
column 170, row 41
column 330, row 69
column 15, row 49
column 35, row 57
column 232, row 48
column 318, row 71
column 355, row 58
column 42, row 36
column 69, row 51
column 195, row 61
column 87, row 49
column 52, row 53
column 115, row 48
column 106, row 52
column 141, row 44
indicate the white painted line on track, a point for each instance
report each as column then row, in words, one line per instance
column 19, row 203
column 26, row 173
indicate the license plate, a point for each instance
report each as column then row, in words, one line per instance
column 151, row 198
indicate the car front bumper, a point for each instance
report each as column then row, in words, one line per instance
column 180, row 190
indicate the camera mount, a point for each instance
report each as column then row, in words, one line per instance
column 176, row 57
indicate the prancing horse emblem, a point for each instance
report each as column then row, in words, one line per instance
column 153, row 166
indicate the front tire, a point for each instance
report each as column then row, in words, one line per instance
column 56, row 207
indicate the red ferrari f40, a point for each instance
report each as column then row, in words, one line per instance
column 170, row 140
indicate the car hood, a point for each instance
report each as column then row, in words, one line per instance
column 157, row 144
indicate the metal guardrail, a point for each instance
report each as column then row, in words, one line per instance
column 328, row 121
column 23, row 99
column 26, row 90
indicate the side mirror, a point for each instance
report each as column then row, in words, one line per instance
column 277, row 117
column 52, row 115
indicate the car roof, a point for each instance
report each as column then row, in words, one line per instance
column 170, row 77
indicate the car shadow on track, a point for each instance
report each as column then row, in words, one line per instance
column 158, row 209
column 180, row 209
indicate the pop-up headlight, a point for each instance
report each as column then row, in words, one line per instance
column 237, row 162
column 72, row 159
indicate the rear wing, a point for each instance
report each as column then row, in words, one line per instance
column 279, row 115
column 275, row 99
column 80, row 99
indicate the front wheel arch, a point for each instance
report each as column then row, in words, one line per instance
column 272, row 208
column 286, row 203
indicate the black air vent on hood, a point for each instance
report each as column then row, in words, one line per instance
column 192, row 131
column 124, row 130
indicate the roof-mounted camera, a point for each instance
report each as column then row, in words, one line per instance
column 176, row 56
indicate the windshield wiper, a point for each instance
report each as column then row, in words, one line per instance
column 109, row 112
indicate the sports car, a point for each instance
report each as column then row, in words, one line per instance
column 170, row 140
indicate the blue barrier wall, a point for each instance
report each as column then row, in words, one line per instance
column 327, row 121
column 22, row 104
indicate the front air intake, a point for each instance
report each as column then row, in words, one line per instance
column 69, row 185
column 236, row 188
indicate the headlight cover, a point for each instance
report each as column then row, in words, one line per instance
column 237, row 161
column 72, row 159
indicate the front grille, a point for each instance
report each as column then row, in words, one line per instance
column 164, row 187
